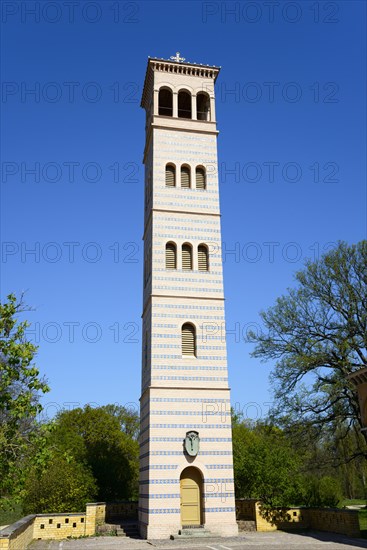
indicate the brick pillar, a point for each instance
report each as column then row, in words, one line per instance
column 95, row 515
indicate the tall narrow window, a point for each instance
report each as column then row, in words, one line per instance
column 146, row 350
column 165, row 102
column 185, row 177
column 186, row 257
column 170, row 175
column 188, row 338
column 184, row 104
column 203, row 257
column 203, row 106
column 200, row 178
column 171, row 256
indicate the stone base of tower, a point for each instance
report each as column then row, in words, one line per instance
column 222, row 529
column 165, row 530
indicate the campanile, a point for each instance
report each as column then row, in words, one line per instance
column 186, row 463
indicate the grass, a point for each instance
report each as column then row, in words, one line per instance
column 350, row 502
column 10, row 516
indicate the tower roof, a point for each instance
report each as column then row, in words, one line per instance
column 176, row 65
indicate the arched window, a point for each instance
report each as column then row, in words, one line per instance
column 184, row 104
column 188, row 339
column 200, row 178
column 165, row 102
column 203, row 257
column 187, row 257
column 185, row 177
column 203, row 106
column 171, row 256
column 170, row 175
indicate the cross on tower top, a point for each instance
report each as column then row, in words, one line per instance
column 177, row 57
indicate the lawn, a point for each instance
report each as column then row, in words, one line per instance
column 347, row 502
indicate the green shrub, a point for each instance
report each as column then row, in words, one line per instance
column 64, row 485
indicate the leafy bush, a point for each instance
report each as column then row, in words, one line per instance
column 325, row 491
column 64, row 485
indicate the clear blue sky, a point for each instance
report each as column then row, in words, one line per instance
column 293, row 131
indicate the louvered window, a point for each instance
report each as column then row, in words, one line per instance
column 200, row 178
column 203, row 258
column 185, row 177
column 170, row 176
column 186, row 257
column 171, row 256
column 188, row 339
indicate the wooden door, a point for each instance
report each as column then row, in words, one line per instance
column 190, row 485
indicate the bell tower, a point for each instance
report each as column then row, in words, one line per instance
column 186, row 463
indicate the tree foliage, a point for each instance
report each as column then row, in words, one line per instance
column 20, row 387
column 266, row 466
column 63, row 485
column 317, row 335
column 95, row 437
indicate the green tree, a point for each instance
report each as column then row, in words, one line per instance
column 94, row 437
column 128, row 418
column 266, row 466
column 63, row 485
column 322, row 491
column 20, row 387
column 317, row 335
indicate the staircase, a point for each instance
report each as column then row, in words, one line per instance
column 122, row 528
column 246, row 525
column 193, row 531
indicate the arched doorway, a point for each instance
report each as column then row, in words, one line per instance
column 191, row 490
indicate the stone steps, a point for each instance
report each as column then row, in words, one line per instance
column 194, row 532
column 129, row 529
column 246, row 525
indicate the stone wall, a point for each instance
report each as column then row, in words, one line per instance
column 121, row 510
column 59, row 526
column 18, row 535
column 95, row 515
column 345, row 522
column 52, row 526
column 280, row 518
column 245, row 509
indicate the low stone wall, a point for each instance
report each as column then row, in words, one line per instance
column 121, row 510
column 280, row 518
column 246, row 509
column 18, row 535
column 59, row 526
column 52, row 526
column 345, row 522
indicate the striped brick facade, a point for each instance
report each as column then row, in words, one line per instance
column 182, row 393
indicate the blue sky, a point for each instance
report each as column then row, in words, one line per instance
column 291, row 116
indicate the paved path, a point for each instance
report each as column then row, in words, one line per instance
column 246, row 541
